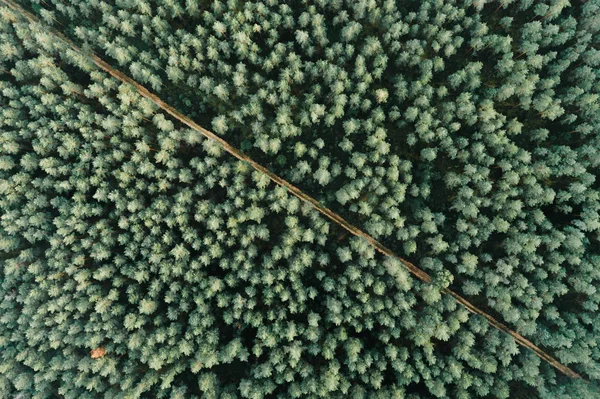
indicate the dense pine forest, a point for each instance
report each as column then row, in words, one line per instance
column 348, row 143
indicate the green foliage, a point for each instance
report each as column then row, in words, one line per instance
column 462, row 134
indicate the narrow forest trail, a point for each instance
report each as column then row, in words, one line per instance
column 420, row 274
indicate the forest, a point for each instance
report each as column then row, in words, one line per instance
column 319, row 199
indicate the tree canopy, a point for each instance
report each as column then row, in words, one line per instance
column 139, row 259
